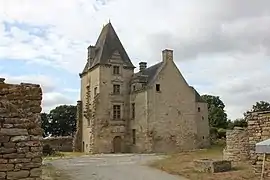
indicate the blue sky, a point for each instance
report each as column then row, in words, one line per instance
column 221, row 48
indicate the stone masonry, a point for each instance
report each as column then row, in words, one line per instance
column 20, row 132
column 60, row 143
column 77, row 146
column 259, row 130
column 237, row 145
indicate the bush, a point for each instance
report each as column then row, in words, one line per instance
column 221, row 133
column 47, row 150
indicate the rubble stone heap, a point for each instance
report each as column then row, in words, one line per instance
column 20, row 131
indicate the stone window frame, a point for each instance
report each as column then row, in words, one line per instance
column 116, row 111
column 116, row 89
column 116, row 70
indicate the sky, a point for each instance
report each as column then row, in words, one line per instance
column 221, row 47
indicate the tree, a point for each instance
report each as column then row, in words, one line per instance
column 45, row 124
column 241, row 122
column 216, row 113
column 63, row 120
column 259, row 106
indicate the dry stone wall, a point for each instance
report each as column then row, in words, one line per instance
column 20, row 132
column 63, row 143
column 237, row 145
column 259, row 130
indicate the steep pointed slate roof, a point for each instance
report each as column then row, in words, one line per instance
column 107, row 43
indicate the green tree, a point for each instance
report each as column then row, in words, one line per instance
column 63, row 120
column 45, row 124
column 241, row 122
column 216, row 113
column 259, row 106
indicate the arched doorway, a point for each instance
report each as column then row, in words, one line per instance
column 117, row 144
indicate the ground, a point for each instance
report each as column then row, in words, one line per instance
column 110, row 167
column 181, row 164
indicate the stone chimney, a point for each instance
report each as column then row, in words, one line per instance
column 167, row 55
column 91, row 54
column 142, row 65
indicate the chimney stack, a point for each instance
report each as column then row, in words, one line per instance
column 142, row 65
column 167, row 55
column 91, row 54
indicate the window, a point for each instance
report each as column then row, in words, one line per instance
column 134, row 87
column 116, row 70
column 133, row 136
column 133, row 110
column 116, row 112
column 158, row 87
column 95, row 91
column 199, row 109
column 202, row 118
column 203, row 137
column 116, row 89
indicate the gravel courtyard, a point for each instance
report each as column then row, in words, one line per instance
column 112, row 167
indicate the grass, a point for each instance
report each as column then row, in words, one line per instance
column 51, row 173
column 59, row 155
column 181, row 164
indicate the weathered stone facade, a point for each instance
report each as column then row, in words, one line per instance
column 60, row 143
column 259, row 130
column 154, row 110
column 237, row 145
column 77, row 140
column 20, row 132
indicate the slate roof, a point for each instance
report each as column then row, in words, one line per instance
column 107, row 43
column 149, row 73
column 198, row 97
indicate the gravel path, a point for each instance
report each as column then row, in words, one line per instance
column 112, row 167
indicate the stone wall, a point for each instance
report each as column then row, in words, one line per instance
column 77, row 141
column 237, row 145
column 259, row 130
column 63, row 144
column 20, row 132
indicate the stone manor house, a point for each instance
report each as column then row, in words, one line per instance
column 153, row 110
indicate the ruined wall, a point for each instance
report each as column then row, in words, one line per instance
column 237, row 145
column 77, row 141
column 63, row 143
column 259, row 130
column 20, row 132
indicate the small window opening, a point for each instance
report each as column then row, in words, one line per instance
column 199, row 109
column 202, row 118
column 157, row 87
column 133, row 136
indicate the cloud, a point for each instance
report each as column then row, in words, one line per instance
column 51, row 96
column 53, row 99
column 221, row 47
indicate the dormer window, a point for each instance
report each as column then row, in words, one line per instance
column 116, row 70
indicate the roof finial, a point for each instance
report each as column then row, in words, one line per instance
column 109, row 20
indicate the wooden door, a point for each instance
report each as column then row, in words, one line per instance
column 117, row 144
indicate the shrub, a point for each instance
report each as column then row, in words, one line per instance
column 47, row 150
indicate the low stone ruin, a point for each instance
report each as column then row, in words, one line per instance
column 240, row 143
column 60, row 143
column 237, row 145
column 20, row 132
column 212, row 166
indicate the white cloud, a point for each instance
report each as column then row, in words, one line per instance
column 51, row 96
column 226, row 42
